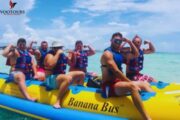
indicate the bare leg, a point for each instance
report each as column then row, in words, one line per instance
column 20, row 80
column 138, row 103
column 41, row 76
column 121, row 88
column 77, row 77
column 63, row 81
column 154, row 80
column 145, row 86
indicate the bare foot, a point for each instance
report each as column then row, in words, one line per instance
column 149, row 119
column 57, row 105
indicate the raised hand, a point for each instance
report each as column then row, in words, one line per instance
column 33, row 41
column 146, row 42
column 85, row 46
column 126, row 40
column 70, row 51
column 60, row 51
column 12, row 48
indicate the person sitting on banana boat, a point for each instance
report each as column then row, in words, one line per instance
column 135, row 65
column 22, row 66
column 12, row 62
column 114, row 82
column 79, row 57
column 40, row 55
column 55, row 64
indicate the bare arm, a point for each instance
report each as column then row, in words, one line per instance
column 129, row 52
column 108, row 57
column 51, row 60
column 125, row 49
column 31, row 44
column 34, row 67
column 30, row 49
column 71, row 58
column 91, row 51
column 151, row 48
column 9, row 51
column 134, row 50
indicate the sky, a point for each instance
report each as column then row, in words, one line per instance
column 93, row 22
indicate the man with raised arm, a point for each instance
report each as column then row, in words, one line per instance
column 135, row 65
column 40, row 55
column 114, row 83
column 55, row 68
column 79, row 57
column 22, row 65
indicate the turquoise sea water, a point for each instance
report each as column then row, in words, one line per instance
column 162, row 66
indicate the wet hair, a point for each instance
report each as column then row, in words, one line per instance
column 78, row 42
column 136, row 36
column 21, row 40
column 116, row 34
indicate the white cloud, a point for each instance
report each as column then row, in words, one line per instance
column 163, row 20
column 9, row 35
column 71, row 10
column 163, row 16
column 119, row 24
column 163, row 6
column 102, row 5
column 15, row 26
column 69, row 34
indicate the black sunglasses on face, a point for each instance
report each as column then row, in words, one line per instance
column 117, row 41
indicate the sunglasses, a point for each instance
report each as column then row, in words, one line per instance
column 117, row 41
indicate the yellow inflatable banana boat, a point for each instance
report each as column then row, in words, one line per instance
column 163, row 87
column 161, row 105
column 156, row 86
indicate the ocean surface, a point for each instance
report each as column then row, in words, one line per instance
column 162, row 66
